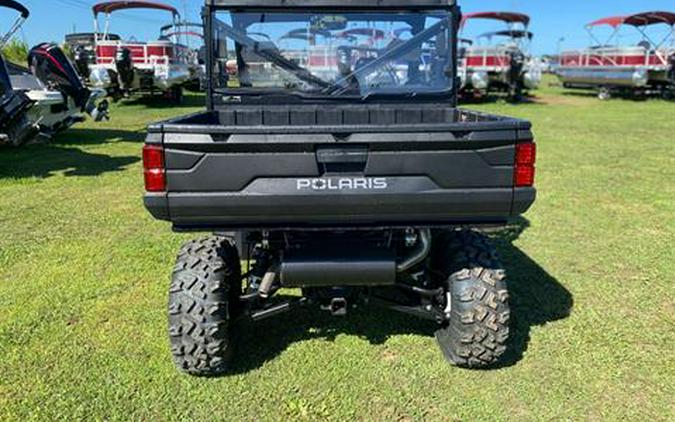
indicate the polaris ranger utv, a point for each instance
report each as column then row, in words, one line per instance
column 335, row 160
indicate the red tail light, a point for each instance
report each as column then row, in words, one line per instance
column 524, row 176
column 526, row 155
column 153, row 168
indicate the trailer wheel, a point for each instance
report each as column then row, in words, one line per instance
column 205, row 288
column 604, row 94
column 477, row 330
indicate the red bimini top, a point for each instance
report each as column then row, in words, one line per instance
column 508, row 17
column 640, row 19
column 16, row 6
column 113, row 6
column 613, row 21
column 651, row 18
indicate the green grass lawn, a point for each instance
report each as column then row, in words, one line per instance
column 84, row 276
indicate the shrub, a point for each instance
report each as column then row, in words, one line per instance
column 16, row 51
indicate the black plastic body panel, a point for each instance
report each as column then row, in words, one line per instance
column 281, row 209
column 242, row 169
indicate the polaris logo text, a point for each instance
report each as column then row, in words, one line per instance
column 343, row 183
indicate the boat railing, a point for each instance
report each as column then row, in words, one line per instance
column 663, row 56
column 140, row 54
column 498, row 56
column 158, row 60
column 615, row 56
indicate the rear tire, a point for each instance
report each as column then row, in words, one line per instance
column 477, row 331
column 205, row 289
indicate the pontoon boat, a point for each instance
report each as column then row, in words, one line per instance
column 647, row 67
column 126, row 67
column 500, row 60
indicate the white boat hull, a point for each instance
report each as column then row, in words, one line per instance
column 52, row 112
column 164, row 77
column 616, row 67
column 632, row 77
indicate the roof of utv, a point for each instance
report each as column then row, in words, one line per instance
column 340, row 4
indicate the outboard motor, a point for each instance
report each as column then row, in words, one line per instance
column 53, row 68
column 82, row 59
column 517, row 68
column 15, row 129
column 201, row 55
column 125, row 68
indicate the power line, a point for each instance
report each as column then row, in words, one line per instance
column 83, row 5
column 75, row 3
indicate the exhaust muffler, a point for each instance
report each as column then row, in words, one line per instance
column 338, row 266
column 349, row 264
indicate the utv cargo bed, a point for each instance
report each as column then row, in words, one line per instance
column 354, row 165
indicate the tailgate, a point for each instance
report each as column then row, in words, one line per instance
column 222, row 177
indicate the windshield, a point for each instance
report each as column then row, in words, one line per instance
column 333, row 54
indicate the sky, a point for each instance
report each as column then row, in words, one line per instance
column 556, row 24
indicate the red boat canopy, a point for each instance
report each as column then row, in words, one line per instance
column 613, row 21
column 113, row 6
column 508, row 17
column 640, row 19
column 16, row 6
column 651, row 18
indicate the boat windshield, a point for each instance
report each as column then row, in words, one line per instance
column 333, row 55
